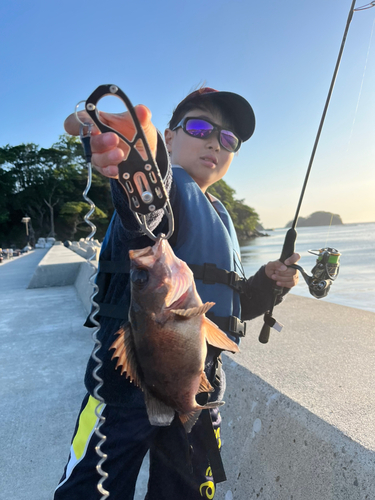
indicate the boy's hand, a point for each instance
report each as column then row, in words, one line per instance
column 284, row 276
column 108, row 150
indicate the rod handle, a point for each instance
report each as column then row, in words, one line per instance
column 289, row 244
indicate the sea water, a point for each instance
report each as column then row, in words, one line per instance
column 355, row 284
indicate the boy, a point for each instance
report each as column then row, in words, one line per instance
column 205, row 131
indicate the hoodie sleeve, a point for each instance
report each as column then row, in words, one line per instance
column 258, row 296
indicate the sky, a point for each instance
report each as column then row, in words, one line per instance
column 279, row 55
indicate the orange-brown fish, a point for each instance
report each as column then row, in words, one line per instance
column 163, row 347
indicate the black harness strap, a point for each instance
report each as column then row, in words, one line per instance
column 213, row 452
column 211, row 274
column 113, row 267
column 116, row 311
column 208, row 436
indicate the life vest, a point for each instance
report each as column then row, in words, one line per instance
column 206, row 240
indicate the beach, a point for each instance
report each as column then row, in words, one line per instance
column 298, row 417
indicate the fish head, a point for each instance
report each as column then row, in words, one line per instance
column 160, row 281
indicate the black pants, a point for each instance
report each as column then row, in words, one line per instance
column 179, row 468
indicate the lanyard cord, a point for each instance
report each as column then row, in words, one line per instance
column 85, row 135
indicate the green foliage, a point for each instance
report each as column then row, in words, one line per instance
column 47, row 185
column 39, row 182
column 73, row 213
column 245, row 218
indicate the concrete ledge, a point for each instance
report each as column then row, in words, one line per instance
column 82, row 283
column 59, row 267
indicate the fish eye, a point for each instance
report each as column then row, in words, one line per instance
column 139, row 276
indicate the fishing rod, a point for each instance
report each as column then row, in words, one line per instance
column 327, row 265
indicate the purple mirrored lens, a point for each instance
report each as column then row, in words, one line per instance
column 198, row 128
column 228, row 140
column 202, row 129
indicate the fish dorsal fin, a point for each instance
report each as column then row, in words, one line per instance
column 194, row 311
column 158, row 412
column 204, row 385
column 189, row 419
column 217, row 337
column 124, row 351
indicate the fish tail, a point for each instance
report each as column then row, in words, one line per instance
column 213, row 404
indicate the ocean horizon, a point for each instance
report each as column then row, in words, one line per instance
column 355, row 284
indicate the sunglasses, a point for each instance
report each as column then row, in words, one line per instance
column 202, row 129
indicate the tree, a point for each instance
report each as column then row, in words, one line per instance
column 40, row 181
column 73, row 212
column 245, row 218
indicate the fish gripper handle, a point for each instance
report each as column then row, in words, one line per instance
column 140, row 177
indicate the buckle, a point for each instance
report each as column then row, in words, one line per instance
column 217, row 377
column 237, row 327
column 236, row 282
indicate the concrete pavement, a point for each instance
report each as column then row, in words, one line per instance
column 298, row 421
column 44, row 349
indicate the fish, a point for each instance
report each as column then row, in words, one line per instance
column 163, row 347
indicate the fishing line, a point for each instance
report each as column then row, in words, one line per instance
column 365, row 7
column 239, row 264
column 329, row 229
column 363, row 78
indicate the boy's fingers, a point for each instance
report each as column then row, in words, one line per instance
column 123, row 123
column 109, row 171
column 104, row 142
column 72, row 125
column 112, row 157
column 293, row 259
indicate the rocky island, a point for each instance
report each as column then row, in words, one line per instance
column 318, row 219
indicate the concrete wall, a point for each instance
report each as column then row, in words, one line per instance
column 62, row 267
column 59, row 267
column 86, row 273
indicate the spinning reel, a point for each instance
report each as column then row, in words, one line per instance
column 324, row 272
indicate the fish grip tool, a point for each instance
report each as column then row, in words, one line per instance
column 85, row 135
column 139, row 174
column 291, row 235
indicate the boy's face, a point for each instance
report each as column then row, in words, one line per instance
column 205, row 160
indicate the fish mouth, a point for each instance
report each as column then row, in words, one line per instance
column 143, row 257
column 178, row 303
column 178, row 275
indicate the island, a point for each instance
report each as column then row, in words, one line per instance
column 318, row 219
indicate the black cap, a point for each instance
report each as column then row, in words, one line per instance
column 233, row 105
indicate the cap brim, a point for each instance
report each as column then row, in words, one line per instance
column 238, row 109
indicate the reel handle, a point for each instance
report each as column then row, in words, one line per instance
column 287, row 251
